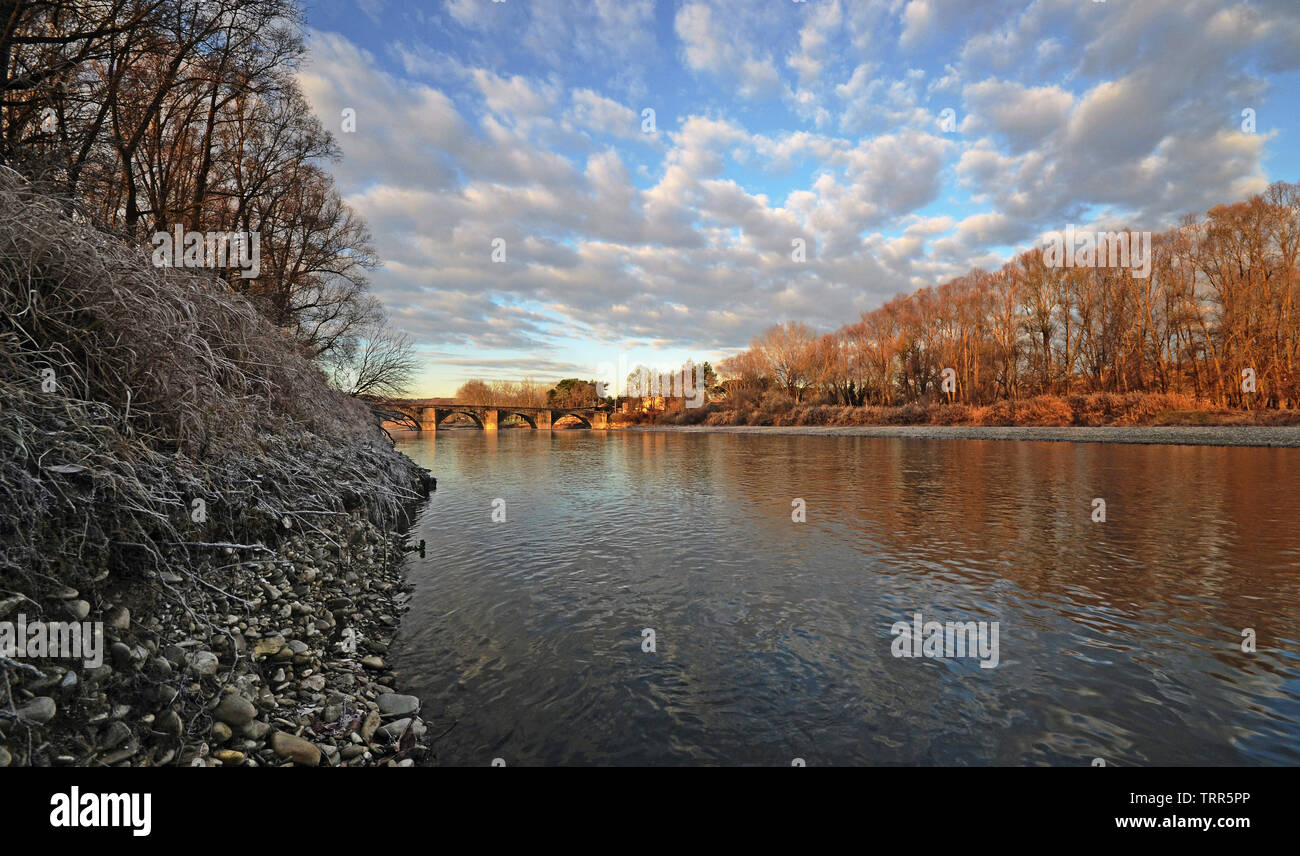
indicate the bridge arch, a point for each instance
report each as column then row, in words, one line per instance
column 559, row 415
column 442, row 415
column 527, row 417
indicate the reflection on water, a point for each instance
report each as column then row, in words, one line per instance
column 1119, row 640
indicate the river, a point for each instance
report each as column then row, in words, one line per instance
column 774, row 641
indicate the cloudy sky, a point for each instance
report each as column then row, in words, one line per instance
column 524, row 127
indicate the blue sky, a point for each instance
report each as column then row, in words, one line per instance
column 522, row 125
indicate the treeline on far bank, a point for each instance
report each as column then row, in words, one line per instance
column 1092, row 409
column 1211, row 334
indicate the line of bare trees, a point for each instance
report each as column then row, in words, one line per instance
column 522, row 393
column 1221, row 299
column 157, row 113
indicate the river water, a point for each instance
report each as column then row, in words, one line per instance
column 774, row 640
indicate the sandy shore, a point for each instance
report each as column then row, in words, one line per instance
column 1222, row 435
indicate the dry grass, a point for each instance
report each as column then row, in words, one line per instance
column 168, row 388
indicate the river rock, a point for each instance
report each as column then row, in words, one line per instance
column 39, row 710
column 268, row 646
column 203, row 664
column 229, row 757
column 281, row 654
column 117, row 756
column 118, row 618
column 169, row 722
column 395, row 704
column 115, row 735
column 176, row 656
column 295, row 749
column 121, row 655
column 235, row 710
column 95, row 674
column 395, row 729
column 255, row 730
column 370, row 726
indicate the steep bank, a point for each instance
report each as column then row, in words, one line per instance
column 1288, row 436
column 172, row 467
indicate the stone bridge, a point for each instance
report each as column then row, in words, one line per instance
column 427, row 417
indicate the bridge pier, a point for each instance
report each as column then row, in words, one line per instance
column 489, row 419
column 599, row 420
column 543, row 420
column 429, row 418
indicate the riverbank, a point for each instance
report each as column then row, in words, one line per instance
column 1284, row 436
column 179, row 482
column 1083, row 410
column 277, row 657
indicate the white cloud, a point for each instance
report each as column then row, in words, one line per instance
column 525, row 125
column 919, row 18
column 715, row 46
column 603, row 115
column 824, row 21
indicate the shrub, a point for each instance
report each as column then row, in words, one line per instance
column 1134, row 408
column 695, row 415
column 913, row 414
column 1041, row 411
column 1044, row 410
column 773, row 405
column 951, row 414
column 1277, row 417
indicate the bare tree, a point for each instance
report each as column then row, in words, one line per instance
column 474, row 391
column 162, row 113
column 380, row 361
column 1220, row 300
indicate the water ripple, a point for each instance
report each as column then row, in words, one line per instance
column 1119, row 640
